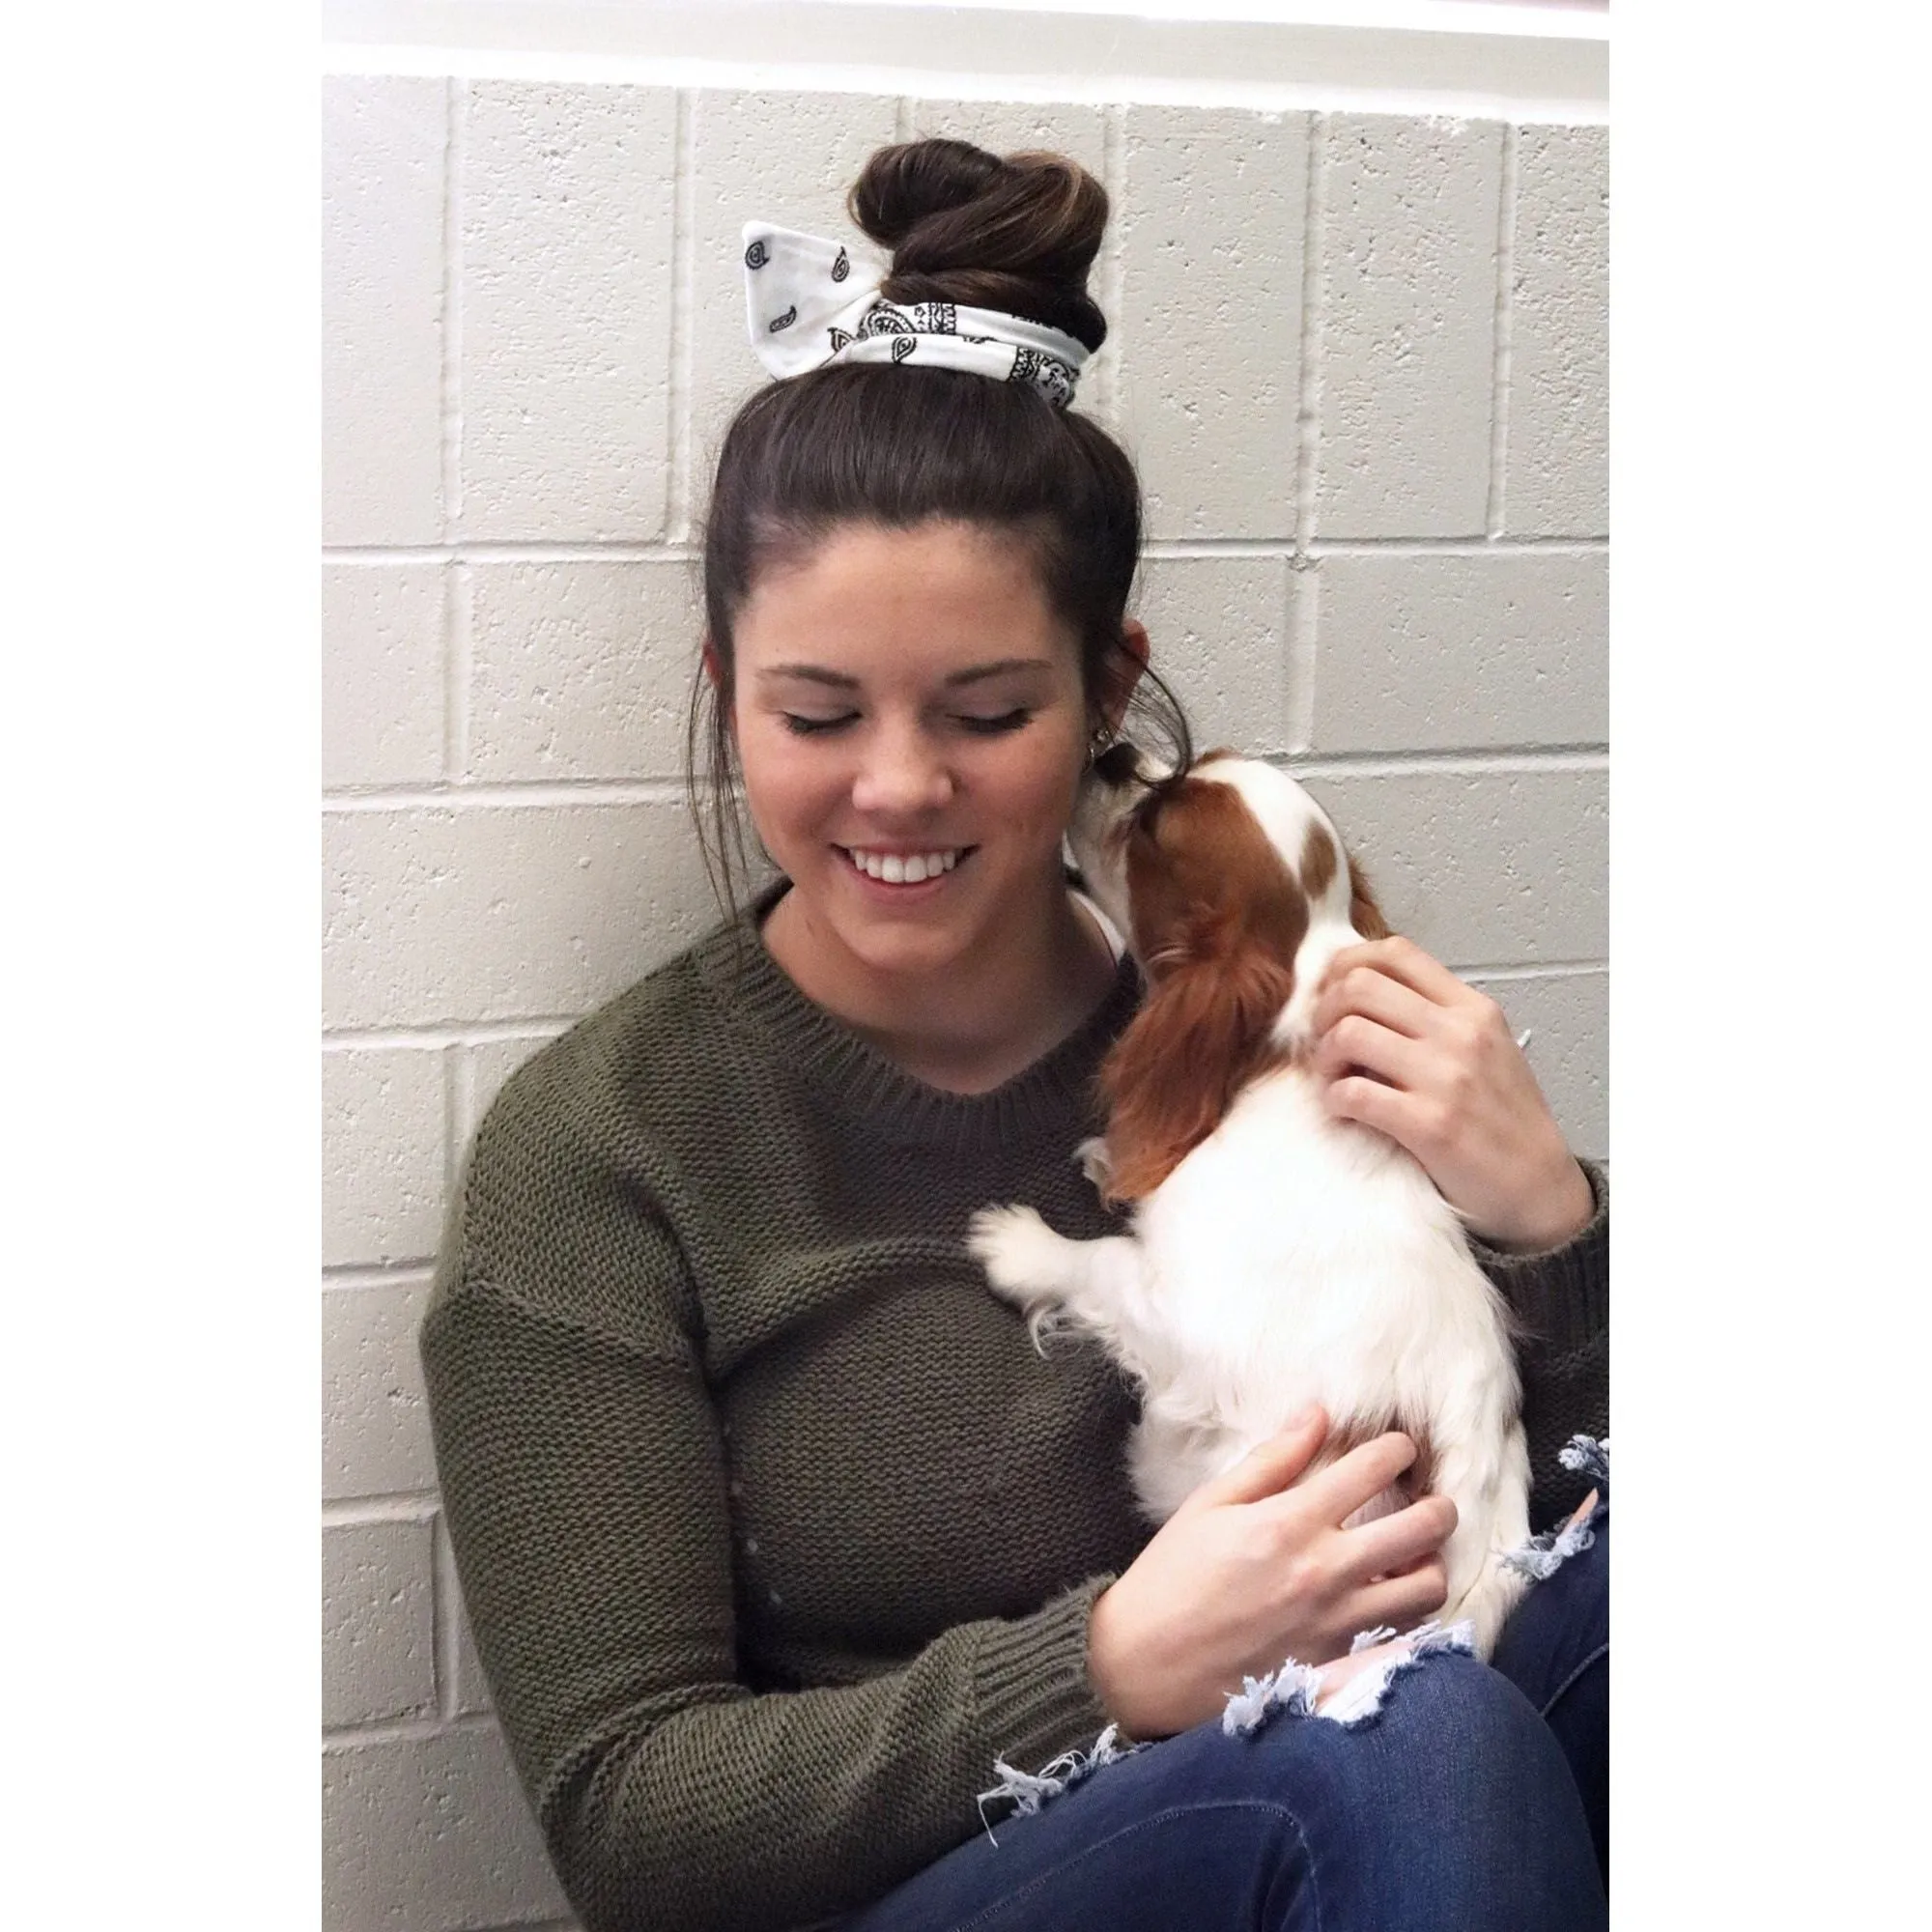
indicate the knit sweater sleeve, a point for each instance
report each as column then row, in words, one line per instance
column 585, row 1491
column 1561, row 1302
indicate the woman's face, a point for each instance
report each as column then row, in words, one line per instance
column 912, row 727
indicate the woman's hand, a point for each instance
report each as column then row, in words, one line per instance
column 1254, row 1567
column 1404, row 1046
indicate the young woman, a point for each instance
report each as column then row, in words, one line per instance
column 773, row 1529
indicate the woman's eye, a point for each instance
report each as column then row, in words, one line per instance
column 1006, row 720
column 806, row 727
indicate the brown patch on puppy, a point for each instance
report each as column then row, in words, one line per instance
column 1218, row 918
column 1364, row 914
column 1318, row 860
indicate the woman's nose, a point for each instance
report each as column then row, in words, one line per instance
column 901, row 772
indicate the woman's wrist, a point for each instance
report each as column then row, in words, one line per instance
column 1559, row 1212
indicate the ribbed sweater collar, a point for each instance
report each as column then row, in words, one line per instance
column 852, row 1078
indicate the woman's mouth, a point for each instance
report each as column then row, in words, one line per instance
column 905, row 869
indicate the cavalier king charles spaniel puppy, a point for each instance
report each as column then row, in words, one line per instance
column 1278, row 1256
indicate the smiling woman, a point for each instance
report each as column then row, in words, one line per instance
column 915, row 792
column 775, row 1533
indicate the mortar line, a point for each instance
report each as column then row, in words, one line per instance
column 455, row 1111
column 458, row 665
column 412, row 1273
column 1500, row 375
column 1107, row 403
column 1547, row 969
column 444, row 1622
column 456, row 103
column 577, row 551
column 573, row 549
column 1304, row 616
column 501, row 793
column 476, row 1033
column 1308, row 378
column 1471, row 762
column 903, row 129
column 401, row 1731
column 360, row 1511
column 677, row 377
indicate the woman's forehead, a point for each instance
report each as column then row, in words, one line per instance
column 934, row 604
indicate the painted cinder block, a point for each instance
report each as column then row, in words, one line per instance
column 1482, row 867
column 1568, row 1018
column 566, row 274
column 431, row 1835
column 787, row 159
column 383, row 1154
column 1407, row 320
column 1216, row 632
column 1556, row 481
column 580, row 669
column 382, row 627
column 1452, row 651
column 378, row 1622
column 383, row 140
column 434, row 916
column 375, row 1435
column 1212, row 226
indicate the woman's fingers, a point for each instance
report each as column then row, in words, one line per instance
column 1373, row 993
column 1335, row 1494
column 1401, row 1601
column 1355, row 1044
column 1403, row 960
column 1395, row 1545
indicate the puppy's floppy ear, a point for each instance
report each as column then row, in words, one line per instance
column 1364, row 914
column 1175, row 1072
column 1221, row 919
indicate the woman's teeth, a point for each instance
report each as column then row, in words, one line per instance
column 904, row 869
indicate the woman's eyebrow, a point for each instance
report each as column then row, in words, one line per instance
column 840, row 681
column 997, row 669
column 815, row 673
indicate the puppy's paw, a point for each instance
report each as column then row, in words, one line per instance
column 1019, row 1251
column 1091, row 1156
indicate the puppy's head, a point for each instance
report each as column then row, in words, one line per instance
column 1232, row 890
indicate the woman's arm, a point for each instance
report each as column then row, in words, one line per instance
column 585, row 1483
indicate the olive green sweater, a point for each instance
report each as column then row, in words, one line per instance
column 773, row 1527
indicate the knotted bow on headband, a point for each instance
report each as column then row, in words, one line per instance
column 807, row 303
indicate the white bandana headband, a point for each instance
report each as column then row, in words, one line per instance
column 807, row 303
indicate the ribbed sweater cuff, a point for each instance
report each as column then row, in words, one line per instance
column 1561, row 1296
column 1036, row 1697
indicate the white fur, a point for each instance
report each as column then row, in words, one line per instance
column 1290, row 1258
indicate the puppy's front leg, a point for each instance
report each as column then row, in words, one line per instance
column 1043, row 1273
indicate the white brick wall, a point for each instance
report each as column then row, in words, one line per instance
column 1361, row 360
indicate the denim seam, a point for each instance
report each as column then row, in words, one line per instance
column 987, row 1914
column 1602, row 1651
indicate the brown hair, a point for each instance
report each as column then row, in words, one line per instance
column 898, row 445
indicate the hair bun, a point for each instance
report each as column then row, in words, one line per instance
column 1017, row 233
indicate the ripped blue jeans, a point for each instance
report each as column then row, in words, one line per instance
column 1476, row 1797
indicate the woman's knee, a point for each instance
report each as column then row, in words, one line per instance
column 1451, row 1788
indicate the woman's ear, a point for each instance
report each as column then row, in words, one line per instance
column 1124, row 672
column 712, row 669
